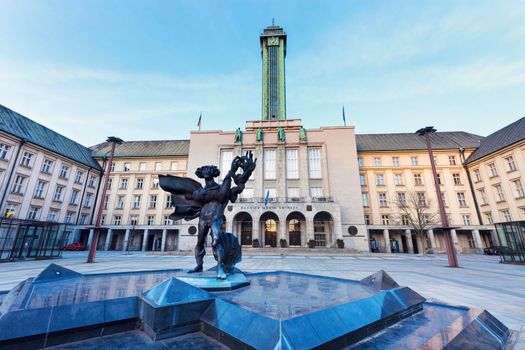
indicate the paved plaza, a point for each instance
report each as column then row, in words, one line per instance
column 481, row 282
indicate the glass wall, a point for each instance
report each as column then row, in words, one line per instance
column 512, row 238
column 21, row 239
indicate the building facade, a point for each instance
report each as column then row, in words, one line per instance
column 135, row 209
column 496, row 169
column 305, row 187
column 44, row 177
column 394, row 167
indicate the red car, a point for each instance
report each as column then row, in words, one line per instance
column 75, row 246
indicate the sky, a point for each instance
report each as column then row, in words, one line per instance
column 145, row 70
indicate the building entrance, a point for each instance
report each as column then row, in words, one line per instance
column 243, row 228
column 270, row 233
column 296, row 226
column 323, row 227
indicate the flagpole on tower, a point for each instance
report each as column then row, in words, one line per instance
column 199, row 121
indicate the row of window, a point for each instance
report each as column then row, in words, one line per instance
column 493, row 170
column 133, row 220
column 504, row 213
column 500, row 194
column 399, row 179
column 404, row 220
column 58, row 194
column 270, row 164
column 291, row 192
column 47, row 166
column 135, row 204
column 401, row 199
column 53, row 214
column 396, row 162
column 139, row 183
column 174, row 166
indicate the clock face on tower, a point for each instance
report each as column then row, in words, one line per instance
column 273, row 41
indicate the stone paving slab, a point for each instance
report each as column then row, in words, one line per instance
column 482, row 282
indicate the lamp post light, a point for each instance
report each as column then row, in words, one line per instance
column 451, row 250
column 93, row 248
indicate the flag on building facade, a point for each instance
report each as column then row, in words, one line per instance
column 199, row 121
column 344, row 118
column 267, row 198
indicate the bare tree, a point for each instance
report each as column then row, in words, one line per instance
column 413, row 209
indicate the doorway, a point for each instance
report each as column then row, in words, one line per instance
column 414, row 244
column 270, row 233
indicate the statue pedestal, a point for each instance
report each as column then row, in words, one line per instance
column 208, row 281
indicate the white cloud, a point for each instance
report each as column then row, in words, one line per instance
column 88, row 104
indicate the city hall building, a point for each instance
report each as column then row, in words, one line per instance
column 319, row 187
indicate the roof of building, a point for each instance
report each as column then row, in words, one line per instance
column 412, row 141
column 22, row 127
column 500, row 139
column 144, row 148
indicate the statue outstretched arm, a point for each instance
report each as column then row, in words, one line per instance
column 247, row 163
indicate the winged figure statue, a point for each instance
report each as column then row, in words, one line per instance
column 191, row 200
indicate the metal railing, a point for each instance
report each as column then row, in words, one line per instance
column 325, row 199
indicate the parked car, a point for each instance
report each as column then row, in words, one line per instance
column 75, row 246
column 493, row 250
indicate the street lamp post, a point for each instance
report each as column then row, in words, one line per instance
column 451, row 250
column 130, row 240
column 93, row 248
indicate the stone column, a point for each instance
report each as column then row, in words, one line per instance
column 432, row 239
column 256, row 231
column 309, row 230
column 145, row 240
column 90, row 237
column 282, row 232
column 410, row 246
column 477, row 241
column 126, row 240
column 258, row 175
column 108, row 239
column 303, row 171
column 386, row 236
column 455, row 241
column 163, row 241
column 280, row 172
column 493, row 236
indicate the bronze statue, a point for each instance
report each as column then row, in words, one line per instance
column 238, row 135
column 191, row 200
column 259, row 136
column 280, row 135
column 302, row 134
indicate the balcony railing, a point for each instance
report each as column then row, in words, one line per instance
column 322, row 199
column 286, row 200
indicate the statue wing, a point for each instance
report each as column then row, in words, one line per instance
column 180, row 187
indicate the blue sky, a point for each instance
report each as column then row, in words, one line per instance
column 145, row 69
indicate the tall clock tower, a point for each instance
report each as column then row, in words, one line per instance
column 273, row 52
